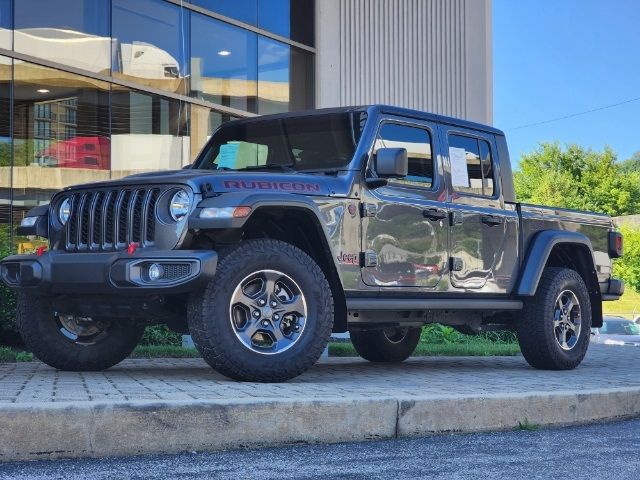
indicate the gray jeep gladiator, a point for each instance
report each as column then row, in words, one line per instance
column 374, row 220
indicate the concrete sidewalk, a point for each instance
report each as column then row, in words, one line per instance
column 167, row 406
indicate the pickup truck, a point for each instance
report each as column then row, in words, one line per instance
column 374, row 220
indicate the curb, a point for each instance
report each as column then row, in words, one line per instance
column 72, row 430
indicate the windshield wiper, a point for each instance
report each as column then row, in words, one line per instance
column 271, row 166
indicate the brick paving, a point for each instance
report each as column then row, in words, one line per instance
column 605, row 367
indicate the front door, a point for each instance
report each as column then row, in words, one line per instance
column 405, row 223
column 481, row 227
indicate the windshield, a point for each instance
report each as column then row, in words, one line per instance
column 620, row 328
column 314, row 142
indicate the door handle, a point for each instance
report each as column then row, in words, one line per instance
column 434, row 214
column 491, row 220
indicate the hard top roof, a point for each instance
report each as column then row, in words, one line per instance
column 384, row 109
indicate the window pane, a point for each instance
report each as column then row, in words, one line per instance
column 417, row 142
column 6, row 23
column 487, row 168
column 148, row 132
column 313, row 142
column 203, row 122
column 148, row 46
column 285, row 77
column 5, row 154
column 244, row 10
column 61, row 132
column 292, row 19
column 223, row 63
column 73, row 32
column 473, row 182
column 476, row 153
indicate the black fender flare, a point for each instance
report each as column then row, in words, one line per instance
column 540, row 248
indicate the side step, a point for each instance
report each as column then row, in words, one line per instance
column 413, row 304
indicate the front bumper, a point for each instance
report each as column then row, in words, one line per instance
column 63, row 273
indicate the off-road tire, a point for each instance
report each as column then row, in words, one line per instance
column 535, row 329
column 41, row 334
column 375, row 345
column 209, row 317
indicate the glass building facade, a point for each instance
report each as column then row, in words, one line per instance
column 94, row 90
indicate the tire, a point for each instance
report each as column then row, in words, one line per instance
column 50, row 337
column 540, row 335
column 386, row 345
column 239, row 345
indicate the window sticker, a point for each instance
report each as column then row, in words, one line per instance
column 241, row 155
column 458, row 161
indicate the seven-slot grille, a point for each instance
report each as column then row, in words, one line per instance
column 112, row 219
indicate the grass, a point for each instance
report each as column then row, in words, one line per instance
column 164, row 351
column 526, row 425
column 628, row 306
column 478, row 348
column 9, row 355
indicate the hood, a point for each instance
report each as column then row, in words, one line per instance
column 220, row 181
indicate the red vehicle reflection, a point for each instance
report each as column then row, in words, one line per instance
column 77, row 152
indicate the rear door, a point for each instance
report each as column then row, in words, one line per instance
column 481, row 228
column 405, row 223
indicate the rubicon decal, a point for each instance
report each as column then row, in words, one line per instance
column 267, row 185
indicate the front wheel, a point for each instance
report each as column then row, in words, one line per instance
column 387, row 345
column 555, row 327
column 70, row 342
column 266, row 316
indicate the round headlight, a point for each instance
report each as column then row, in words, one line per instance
column 179, row 206
column 64, row 211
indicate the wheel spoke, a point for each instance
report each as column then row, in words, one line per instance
column 270, row 279
column 569, row 304
column 244, row 299
column 296, row 305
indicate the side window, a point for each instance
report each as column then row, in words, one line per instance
column 417, row 142
column 471, row 165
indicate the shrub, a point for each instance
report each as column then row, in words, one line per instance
column 160, row 335
column 7, row 297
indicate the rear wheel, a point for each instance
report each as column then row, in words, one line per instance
column 267, row 315
column 555, row 327
column 70, row 342
column 389, row 345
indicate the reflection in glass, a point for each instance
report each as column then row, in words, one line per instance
column 223, row 63
column 73, row 32
column 148, row 43
column 243, row 10
column 6, row 23
column 285, row 77
column 417, row 142
column 203, row 122
column 60, row 131
column 292, row 19
column 5, row 152
column 148, row 132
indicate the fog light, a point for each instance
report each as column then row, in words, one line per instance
column 155, row 272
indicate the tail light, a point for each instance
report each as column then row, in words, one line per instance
column 616, row 244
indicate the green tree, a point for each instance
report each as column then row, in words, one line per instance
column 628, row 267
column 575, row 177
column 632, row 164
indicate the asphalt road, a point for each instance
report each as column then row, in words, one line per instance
column 608, row 451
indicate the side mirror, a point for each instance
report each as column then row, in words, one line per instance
column 392, row 162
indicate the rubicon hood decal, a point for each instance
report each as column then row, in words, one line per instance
column 272, row 185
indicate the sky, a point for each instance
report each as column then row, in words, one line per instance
column 554, row 58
